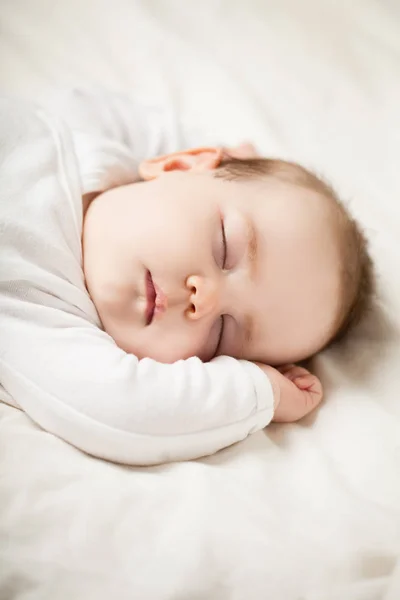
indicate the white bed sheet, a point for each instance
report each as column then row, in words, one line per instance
column 308, row 511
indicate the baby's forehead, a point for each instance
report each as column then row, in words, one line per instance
column 296, row 227
column 281, row 201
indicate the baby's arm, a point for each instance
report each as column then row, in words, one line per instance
column 72, row 380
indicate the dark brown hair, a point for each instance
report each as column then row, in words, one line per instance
column 357, row 273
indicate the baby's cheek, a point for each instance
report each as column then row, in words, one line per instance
column 170, row 344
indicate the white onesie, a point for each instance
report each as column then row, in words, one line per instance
column 56, row 363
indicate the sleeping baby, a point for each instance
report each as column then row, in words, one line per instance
column 153, row 301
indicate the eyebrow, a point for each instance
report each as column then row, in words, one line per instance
column 252, row 248
column 252, row 256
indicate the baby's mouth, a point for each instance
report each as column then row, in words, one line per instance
column 156, row 299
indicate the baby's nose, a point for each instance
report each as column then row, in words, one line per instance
column 203, row 297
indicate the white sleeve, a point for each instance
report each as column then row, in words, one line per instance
column 58, row 366
column 73, row 381
column 113, row 133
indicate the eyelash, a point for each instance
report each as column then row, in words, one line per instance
column 221, row 331
column 225, row 253
column 224, row 245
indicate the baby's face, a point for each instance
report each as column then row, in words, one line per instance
column 187, row 264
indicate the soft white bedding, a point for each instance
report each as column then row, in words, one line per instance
column 308, row 511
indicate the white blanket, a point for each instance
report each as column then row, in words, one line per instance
column 307, row 511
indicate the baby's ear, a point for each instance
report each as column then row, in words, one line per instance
column 195, row 159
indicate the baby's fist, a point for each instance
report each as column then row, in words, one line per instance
column 297, row 392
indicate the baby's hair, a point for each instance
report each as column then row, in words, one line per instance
column 357, row 274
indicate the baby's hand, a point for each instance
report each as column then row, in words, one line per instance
column 244, row 150
column 296, row 392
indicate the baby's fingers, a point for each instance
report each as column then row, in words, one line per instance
column 311, row 399
column 307, row 382
column 244, row 150
column 291, row 372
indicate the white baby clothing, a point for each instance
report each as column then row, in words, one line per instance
column 56, row 362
